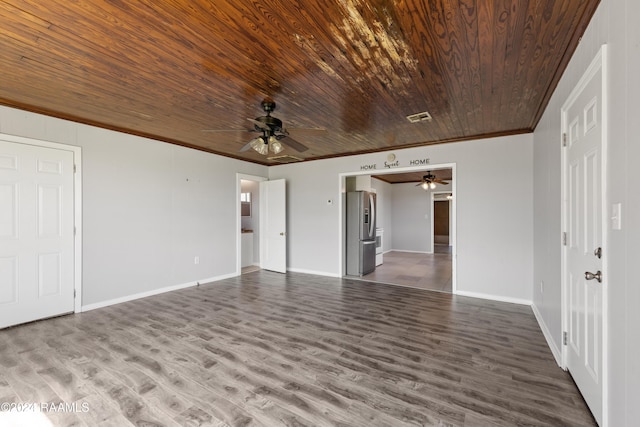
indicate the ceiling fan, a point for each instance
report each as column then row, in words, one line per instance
column 429, row 181
column 272, row 132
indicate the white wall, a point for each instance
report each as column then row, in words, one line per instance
column 615, row 24
column 411, row 224
column 411, row 212
column 149, row 208
column 494, row 250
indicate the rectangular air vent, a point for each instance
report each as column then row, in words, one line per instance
column 285, row 159
column 419, row 117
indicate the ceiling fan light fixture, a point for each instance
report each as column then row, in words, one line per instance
column 276, row 146
column 259, row 145
column 425, row 185
column 432, row 185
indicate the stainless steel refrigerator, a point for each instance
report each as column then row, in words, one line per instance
column 361, row 232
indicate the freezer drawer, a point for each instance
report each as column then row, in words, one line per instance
column 362, row 258
column 368, row 257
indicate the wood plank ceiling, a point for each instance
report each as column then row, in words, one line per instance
column 351, row 68
column 405, row 177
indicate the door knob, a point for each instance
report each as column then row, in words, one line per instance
column 590, row 276
column 282, row 233
column 598, row 253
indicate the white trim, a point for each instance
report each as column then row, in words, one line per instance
column 498, row 298
column 239, row 178
column 605, row 236
column 315, row 273
column 411, row 252
column 153, row 292
column 557, row 353
column 598, row 63
column 453, row 235
column 77, row 206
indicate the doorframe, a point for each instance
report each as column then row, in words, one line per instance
column 77, row 206
column 239, row 178
column 600, row 62
column 433, row 211
column 342, row 184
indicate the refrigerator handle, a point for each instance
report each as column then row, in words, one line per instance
column 372, row 222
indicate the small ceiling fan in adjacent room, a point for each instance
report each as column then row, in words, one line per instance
column 429, row 181
column 272, row 131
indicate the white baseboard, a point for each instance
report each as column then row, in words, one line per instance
column 317, row 273
column 132, row 297
column 494, row 297
column 409, row 252
column 557, row 354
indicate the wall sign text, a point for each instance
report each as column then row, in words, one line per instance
column 391, row 162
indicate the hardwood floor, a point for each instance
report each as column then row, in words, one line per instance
column 417, row 270
column 272, row 349
column 250, row 269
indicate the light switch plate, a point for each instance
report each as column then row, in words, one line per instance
column 616, row 216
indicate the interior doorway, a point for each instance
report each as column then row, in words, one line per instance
column 441, row 220
column 585, row 228
column 248, row 220
column 405, row 217
column 40, row 226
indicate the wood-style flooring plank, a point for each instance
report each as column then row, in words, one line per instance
column 267, row 349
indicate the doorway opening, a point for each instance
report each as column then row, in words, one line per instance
column 408, row 254
column 248, row 220
column 441, row 220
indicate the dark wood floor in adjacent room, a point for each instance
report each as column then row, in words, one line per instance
column 272, row 349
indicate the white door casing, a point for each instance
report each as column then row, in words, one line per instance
column 584, row 272
column 37, row 271
column 273, row 220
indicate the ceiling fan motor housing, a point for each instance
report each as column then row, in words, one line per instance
column 274, row 123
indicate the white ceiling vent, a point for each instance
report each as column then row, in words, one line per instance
column 285, row 159
column 419, row 117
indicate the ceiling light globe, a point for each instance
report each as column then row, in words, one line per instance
column 259, row 145
column 432, row 185
column 276, row 146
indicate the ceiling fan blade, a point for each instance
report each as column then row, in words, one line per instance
column 295, row 145
column 439, row 181
column 259, row 124
column 225, row 130
column 302, row 130
column 246, row 146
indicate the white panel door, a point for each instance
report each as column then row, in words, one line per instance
column 584, row 267
column 273, row 218
column 36, row 233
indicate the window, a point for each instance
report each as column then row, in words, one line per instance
column 245, row 204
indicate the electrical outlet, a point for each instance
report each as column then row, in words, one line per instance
column 196, row 260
